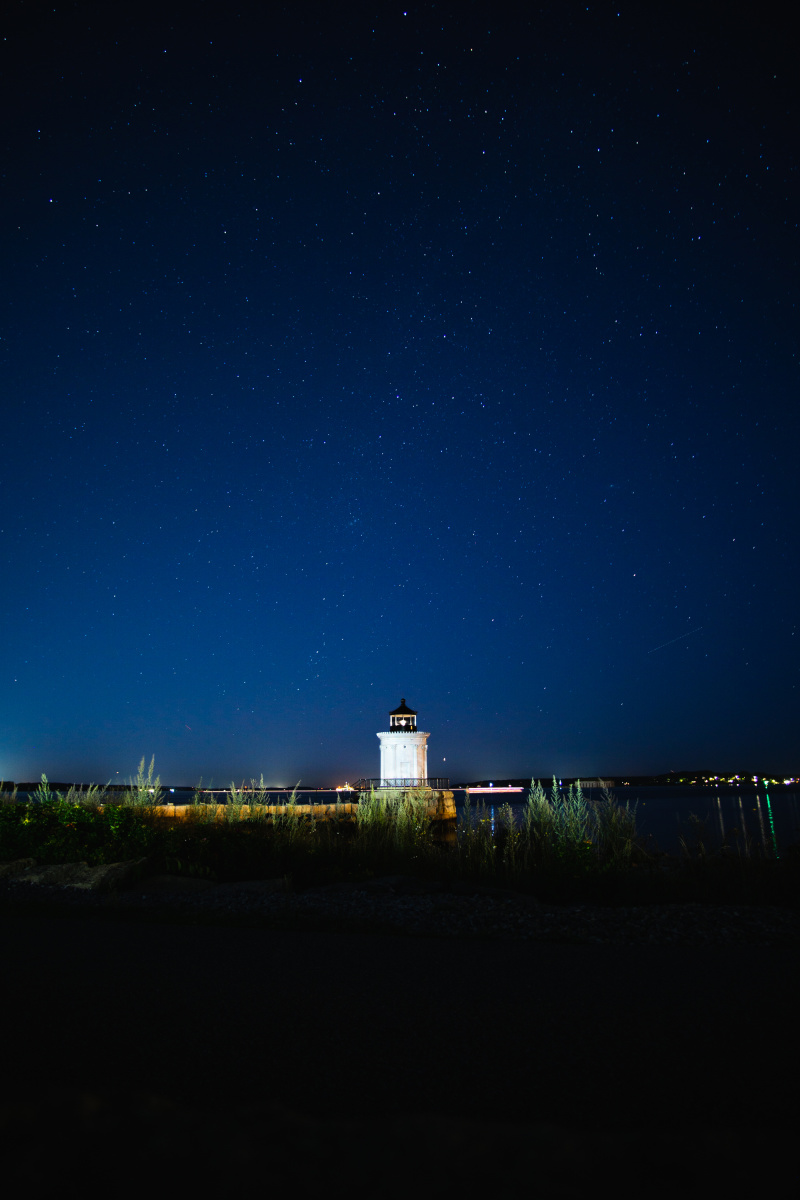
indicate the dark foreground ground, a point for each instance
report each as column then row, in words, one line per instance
column 159, row 1055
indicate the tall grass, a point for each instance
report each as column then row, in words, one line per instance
column 144, row 791
column 8, row 795
column 91, row 796
column 393, row 818
column 560, row 846
column 560, row 832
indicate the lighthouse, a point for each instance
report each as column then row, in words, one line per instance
column 404, row 769
column 404, row 750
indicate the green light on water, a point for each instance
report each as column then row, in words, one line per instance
column 772, row 826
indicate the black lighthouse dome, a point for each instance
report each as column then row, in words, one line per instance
column 403, row 718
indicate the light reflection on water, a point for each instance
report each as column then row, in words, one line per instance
column 770, row 820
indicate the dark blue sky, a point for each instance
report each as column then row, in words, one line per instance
column 351, row 352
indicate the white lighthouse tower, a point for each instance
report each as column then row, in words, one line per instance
column 404, row 750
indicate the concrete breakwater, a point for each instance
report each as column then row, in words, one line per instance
column 440, row 806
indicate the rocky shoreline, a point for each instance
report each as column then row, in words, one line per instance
column 397, row 904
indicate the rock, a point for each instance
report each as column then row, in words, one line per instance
column 55, row 874
column 104, row 878
column 8, row 870
column 110, row 876
column 442, row 806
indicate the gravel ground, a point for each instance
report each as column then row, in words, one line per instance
column 409, row 906
column 425, row 1156
column 667, row 1072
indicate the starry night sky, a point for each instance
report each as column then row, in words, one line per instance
column 351, row 353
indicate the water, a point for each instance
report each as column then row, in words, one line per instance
column 771, row 819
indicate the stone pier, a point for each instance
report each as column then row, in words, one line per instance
column 441, row 806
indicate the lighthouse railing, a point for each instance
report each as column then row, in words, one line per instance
column 437, row 784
